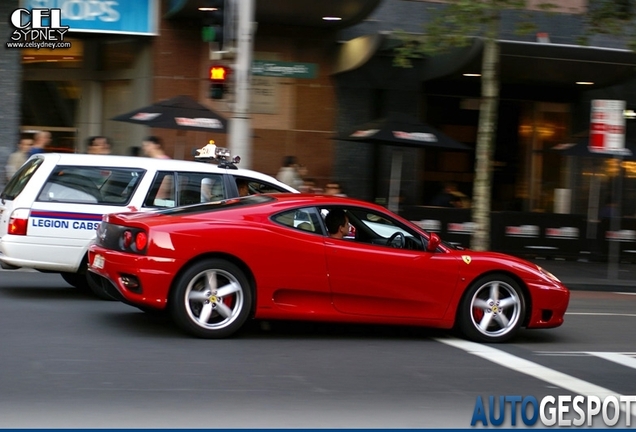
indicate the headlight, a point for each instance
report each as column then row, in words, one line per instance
column 548, row 274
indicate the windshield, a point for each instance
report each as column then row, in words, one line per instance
column 20, row 179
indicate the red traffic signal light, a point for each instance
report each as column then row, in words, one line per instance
column 219, row 73
column 219, row 78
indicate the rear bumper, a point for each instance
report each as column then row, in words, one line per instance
column 19, row 251
column 154, row 275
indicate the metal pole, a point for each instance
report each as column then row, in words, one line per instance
column 394, row 183
column 240, row 127
column 615, row 223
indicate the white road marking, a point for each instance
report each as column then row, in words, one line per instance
column 600, row 314
column 535, row 370
column 621, row 359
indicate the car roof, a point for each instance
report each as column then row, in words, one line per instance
column 152, row 163
column 311, row 199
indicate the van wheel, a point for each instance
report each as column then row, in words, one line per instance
column 77, row 280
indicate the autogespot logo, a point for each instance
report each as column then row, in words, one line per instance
column 562, row 410
column 37, row 28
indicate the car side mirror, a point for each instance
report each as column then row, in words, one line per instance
column 433, row 242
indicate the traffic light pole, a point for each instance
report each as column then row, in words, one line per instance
column 240, row 137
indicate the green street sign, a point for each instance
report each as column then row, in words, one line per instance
column 284, row 69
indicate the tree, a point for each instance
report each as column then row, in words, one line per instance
column 611, row 17
column 455, row 25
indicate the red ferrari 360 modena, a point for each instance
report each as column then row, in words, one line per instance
column 215, row 265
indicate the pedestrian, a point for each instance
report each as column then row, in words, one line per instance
column 334, row 189
column 449, row 196
column 18, row 157
column 289, row 174
column 153, row 148
column 41, row 139
column 98, row 145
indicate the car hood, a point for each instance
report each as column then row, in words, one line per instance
column 486, row 260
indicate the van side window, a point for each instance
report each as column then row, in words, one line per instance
column 171, row 189
column 195, row 188
column 247, row 186
column 90, row 185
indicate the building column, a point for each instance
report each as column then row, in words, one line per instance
column 10, row 89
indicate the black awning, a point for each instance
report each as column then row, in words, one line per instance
column 521, row 63
column 289, row 12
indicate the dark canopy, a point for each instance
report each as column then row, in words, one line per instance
column 401, row 130
column 181, row 112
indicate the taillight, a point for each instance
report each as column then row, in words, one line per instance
column 141, row 240
column 133, row 240
column 127, row 239
column 18, row 222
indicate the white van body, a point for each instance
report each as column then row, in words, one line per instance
column 50, row 209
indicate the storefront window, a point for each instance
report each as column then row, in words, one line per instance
column 51, row 104
column 119, row 54
column 543, row 126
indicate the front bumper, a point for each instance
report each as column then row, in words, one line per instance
column 549, row 303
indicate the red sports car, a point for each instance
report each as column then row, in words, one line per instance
column 215, row 265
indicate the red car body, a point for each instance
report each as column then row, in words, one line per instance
column 257, row 246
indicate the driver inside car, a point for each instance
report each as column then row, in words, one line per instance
column 337, row 223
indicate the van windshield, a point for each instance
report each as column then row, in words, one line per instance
column 20, row 179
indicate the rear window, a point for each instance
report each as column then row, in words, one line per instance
column 91, row 185
column 21, row 178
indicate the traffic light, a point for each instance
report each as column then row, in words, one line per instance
column 213, row 21
column 219, row 77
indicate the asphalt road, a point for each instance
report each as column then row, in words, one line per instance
column 70, row 360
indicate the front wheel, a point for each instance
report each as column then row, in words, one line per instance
column 211, row 299
column 492, row 310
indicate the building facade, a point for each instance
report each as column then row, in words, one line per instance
column 346, row 78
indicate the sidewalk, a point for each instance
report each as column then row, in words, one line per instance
column 591, row 276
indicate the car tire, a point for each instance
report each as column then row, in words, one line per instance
column 211, row 299
column 77, row 280
column 492, row 309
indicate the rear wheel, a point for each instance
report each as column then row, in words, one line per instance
column 211, row 299
column 492, row 310
column 77, row 280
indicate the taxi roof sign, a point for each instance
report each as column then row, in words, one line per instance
column 220, row 155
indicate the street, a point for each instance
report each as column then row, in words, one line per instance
column 70, row 360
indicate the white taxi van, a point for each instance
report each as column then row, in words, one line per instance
column 51, row 207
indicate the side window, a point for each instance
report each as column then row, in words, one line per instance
column 195, row 188
column 305, row 219
column 161, row 193
column 212, row 188
column 248, row 186
column 90, row 185
column 378, row 229
column 119, row 185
